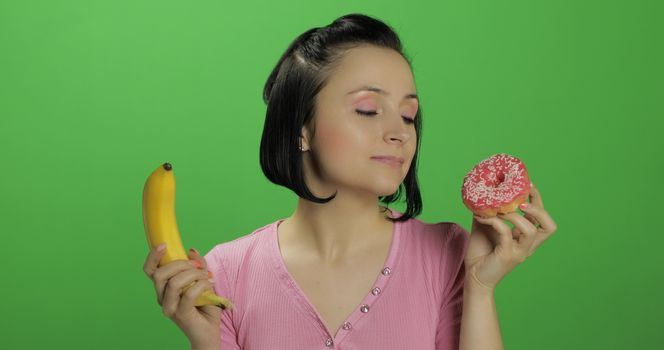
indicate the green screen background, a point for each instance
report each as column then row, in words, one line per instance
column 95, row 94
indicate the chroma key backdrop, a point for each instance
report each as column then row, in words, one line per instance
column 94, row 95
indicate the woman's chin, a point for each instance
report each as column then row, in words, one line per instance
column 388, row 189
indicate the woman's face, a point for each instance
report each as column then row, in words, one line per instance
column 340, row 155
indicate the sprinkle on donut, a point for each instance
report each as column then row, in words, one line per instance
column 497, row 184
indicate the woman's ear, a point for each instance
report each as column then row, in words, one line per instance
column 304, row 139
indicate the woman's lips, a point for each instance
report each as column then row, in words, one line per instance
column 392, row 161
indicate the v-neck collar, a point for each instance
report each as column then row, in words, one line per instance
column 361, row 310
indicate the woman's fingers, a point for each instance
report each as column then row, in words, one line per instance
column 504, row 231
column 195, row 255
column 535, row 197
column 547, row 225
column 189, row 297
column 152, row 261
column 173, row 290
column 525, row 232
column 164, row 274
column 528, row 232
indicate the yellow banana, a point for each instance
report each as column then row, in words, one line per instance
column 161, row 227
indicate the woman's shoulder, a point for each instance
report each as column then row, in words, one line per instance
column 444, row 232
column 440, row 243
column 435, row 250
column 243, row 242
column 242, row 248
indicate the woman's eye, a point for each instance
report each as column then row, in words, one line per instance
column 408, row 120
column 365, row 112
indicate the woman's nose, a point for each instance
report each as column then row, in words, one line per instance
column 397, row 130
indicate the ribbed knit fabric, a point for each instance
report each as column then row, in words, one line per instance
column 415, row 302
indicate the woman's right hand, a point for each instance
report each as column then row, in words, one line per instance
column 199, row 323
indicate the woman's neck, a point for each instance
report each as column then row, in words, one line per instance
column 333, row 231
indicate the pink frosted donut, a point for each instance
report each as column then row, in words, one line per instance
column 497, row 184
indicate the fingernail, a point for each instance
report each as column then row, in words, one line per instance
column 193, row 250
column 531, row 184
column 161, row 247
column 196, row 263
column 523, row 205
column 210, row 274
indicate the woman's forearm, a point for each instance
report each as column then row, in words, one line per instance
column 479, row 320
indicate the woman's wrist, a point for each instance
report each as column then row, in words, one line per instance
column 474, row 285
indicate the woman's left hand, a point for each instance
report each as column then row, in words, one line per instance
column 495, row 249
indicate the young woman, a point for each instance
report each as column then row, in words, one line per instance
column 343, row 271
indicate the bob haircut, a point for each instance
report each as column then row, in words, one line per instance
column 290, row 94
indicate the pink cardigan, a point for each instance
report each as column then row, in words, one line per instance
column 415, row 302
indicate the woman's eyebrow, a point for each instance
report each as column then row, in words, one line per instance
column 382, row 92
